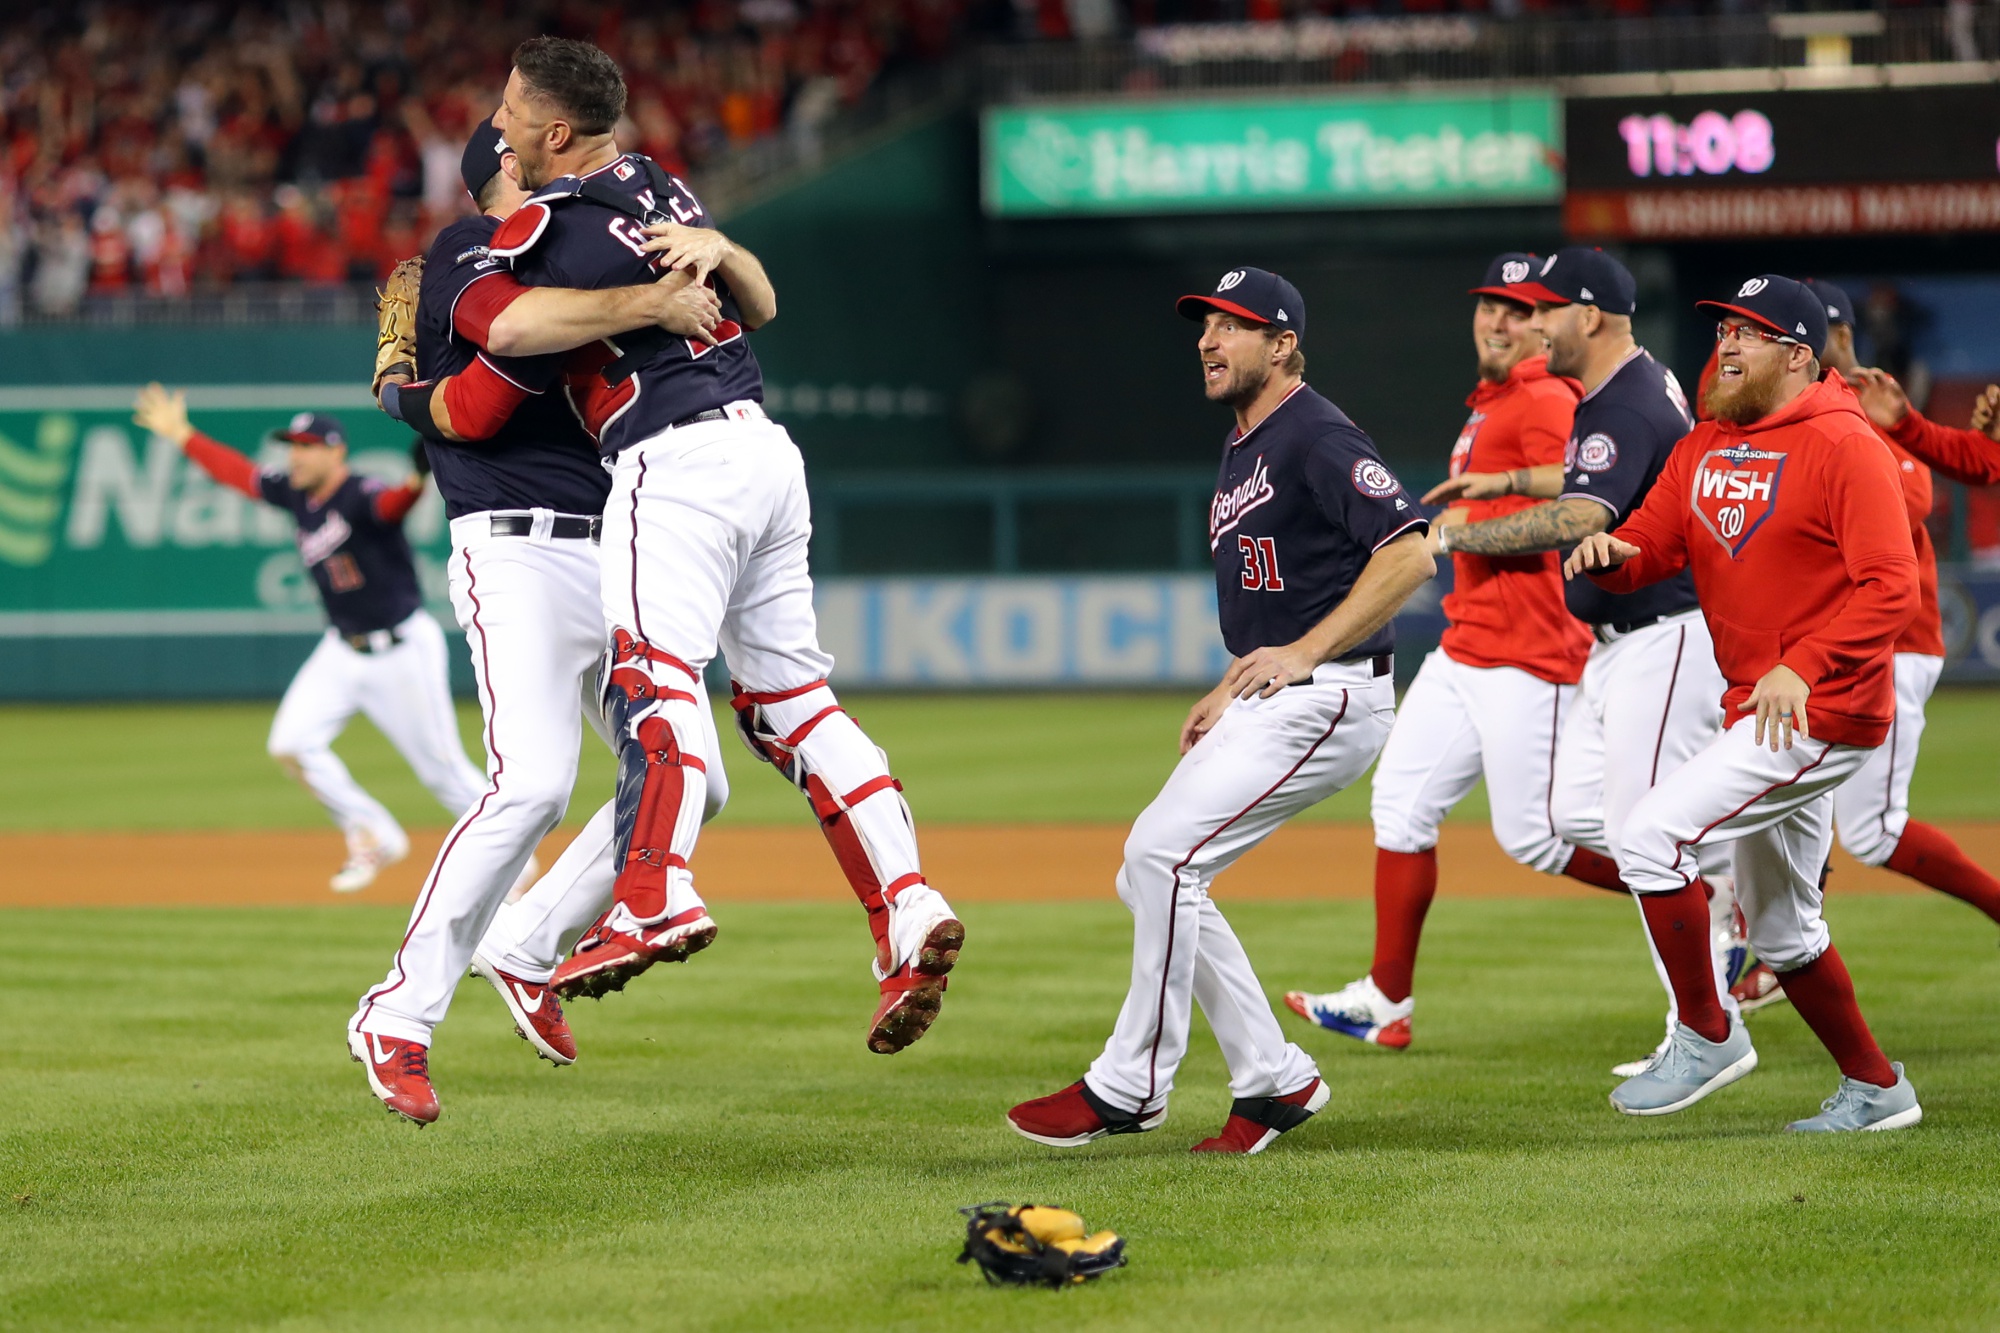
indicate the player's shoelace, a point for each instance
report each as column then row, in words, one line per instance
column 1678, row 1059
column 1848, row 1093
column 413, row 1062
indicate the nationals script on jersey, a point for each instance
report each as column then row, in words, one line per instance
column 1302, row 502
column 635, row 386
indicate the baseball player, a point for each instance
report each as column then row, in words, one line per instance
column 1490, row 700
column 1789, row 512
column 1647, row 698
column 382, row 655
column 705, row 538
column 1316, row 546
column 525, row 506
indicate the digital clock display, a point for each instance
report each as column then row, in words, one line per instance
column 1708, row 144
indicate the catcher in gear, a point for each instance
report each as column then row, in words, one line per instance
column 1029, row 1245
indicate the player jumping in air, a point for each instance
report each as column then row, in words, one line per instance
column 1789, row 512
column 383, row 655
column 1316, row 547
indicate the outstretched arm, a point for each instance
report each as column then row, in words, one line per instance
column 1971, row 457
column 165, row 415
column 1543, row 527
column 1544, row 482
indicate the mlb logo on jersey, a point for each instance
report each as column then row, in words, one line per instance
column 624, row 171
column 1735, row 490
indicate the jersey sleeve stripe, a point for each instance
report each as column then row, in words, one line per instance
column 1397, row 533
column 487, row 361
column 1586, row 495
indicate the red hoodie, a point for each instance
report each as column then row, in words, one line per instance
column 1507, row 610
column 1796, row 531
column 1965, row 456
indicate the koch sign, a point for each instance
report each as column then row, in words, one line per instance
column 1330, row 152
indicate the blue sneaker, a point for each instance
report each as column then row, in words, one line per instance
column 1856, row 1105
column 1359, row 1010
column 1688, row 1070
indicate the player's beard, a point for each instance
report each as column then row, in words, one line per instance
column 1750, row 397
column 1566, row 353
column 1495, row 367
column 1241, row 385
column 531, row 166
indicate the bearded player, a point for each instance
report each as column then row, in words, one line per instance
column 1789, row 512
column 1490, row 700
column 1316, row 546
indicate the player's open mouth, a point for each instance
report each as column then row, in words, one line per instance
column 1214, row 370
column 1729, row 370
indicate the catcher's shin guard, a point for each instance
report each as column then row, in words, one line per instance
column 806, row 735
column 662, row 780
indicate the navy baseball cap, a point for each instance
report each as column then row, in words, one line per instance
column 1253, row 293
column 1506, row 274
column 481, row 160
column 313, row 428
column 1785, row 307
column 1580, row 275
column 1839, row 310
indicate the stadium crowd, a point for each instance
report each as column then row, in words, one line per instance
column 161, row 148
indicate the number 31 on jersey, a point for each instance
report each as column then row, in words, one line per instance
column 1260, row 564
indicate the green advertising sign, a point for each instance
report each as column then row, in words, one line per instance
column 107, row 531
column 1320, row 152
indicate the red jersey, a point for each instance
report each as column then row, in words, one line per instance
column 1800, row 550
column 1964, row 456
column 1507, row 610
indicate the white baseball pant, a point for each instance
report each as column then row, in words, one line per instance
column 1650, row 701
column 1871, row 808
column 404, row 688
column 705, row 540
column 1460, row 722
column 1775, row 814
column 532, row 623
column 1263, row 762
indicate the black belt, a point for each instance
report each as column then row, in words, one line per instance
column 1383, row 663
column 713, row 414
column 1606, row 633
column 570, row 527
column 365, row 643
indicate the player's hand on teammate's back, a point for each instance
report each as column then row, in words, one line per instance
column 162, row 413
column 1883, row 399
column 1469, row 486
column 1202, row 717
column 1779, row 700
column 687, row 307
column 697, row 250
column 1598, row 551
column 1265, row 671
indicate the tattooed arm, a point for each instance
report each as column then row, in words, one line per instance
column 1544, row 527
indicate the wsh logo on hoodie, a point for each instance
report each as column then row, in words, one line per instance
column 1735, row 490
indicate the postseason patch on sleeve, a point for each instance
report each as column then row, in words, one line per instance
column 1374, row 480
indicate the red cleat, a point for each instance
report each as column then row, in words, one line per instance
column 605, row 959
column 1758, row 988
column 913, row 994
column 538, row 1014
column 1075, row 1116
column 398, row 1073
column 1255, row 1121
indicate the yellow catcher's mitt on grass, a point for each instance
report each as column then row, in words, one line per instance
column 1031, row 1245
column 396, row 323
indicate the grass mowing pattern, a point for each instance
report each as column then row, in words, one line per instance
column 962, row 758
column 183, row 1142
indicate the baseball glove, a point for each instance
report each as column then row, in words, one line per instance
column 396, row 323
column 1035, row 1246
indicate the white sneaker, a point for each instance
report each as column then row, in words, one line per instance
column 1359, row 1010
column 1634, row 1068
column 525, row 880
column 367, row 855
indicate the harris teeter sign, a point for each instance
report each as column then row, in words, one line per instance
column 1278, row 153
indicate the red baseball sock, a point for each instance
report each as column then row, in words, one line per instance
column 1928, row 855
column 1405, row 883
column 1678, row 922
column 1823, row 994
column 1594, row 869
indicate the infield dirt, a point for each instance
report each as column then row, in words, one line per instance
column 974, row 862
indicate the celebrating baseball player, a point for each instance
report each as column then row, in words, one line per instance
column 1789, row 512
column 1647, row 697
column 1316, row 546
column 1490, row 700
column 382, row 655
column 705, row 537
column 525, row 506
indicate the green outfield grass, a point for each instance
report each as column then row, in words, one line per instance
column 972, row 758
column 183, row 1143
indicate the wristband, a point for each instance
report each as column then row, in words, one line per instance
column 391, row 399
column 412, row 407
column 1444, row 538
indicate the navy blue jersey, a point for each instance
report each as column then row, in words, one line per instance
column 541, row 458
column 361, row 561
column 1303, row 501
column 563, row 238
column 1624, row 430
